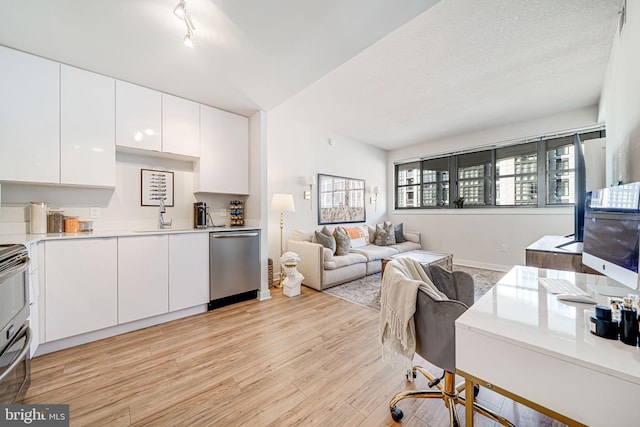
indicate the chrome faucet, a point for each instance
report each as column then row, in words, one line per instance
column 161, row 221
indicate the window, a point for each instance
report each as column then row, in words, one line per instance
column 517, row 175
column 561, row 171
column 408, row 185
column 435, row 179
column 529, row 174
column 475, row 180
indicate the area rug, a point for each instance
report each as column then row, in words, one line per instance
column 366, row 291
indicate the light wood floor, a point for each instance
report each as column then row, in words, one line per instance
column 309, row 360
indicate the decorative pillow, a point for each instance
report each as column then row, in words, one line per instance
column 343, row 241
column 359, row 236
column 397, row 229
column 385, row 235
column 327, row 241
column 443, row 279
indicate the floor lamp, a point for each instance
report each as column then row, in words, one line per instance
column 282, row 203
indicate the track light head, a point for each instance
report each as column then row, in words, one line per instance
column 188, row 42
column 180, row 10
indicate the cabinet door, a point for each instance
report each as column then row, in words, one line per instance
column 143, row 282
column 138, row 117
column 80, row 286
column 87, row 128
column 180, row 126
column 224, row 153
column 188, row 270
column 29, row 118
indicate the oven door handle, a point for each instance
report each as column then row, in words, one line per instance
column 21, row 355
column 15, row 270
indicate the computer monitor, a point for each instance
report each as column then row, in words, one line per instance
column 612, row 233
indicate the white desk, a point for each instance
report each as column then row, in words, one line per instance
column 520, row 341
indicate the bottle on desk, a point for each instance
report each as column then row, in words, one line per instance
column 628, row 322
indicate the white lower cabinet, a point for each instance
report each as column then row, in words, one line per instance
column 188, row 270
column 81, row 292
column 143, row 277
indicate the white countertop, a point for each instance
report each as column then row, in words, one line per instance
column 520, row 312
column 31, row 238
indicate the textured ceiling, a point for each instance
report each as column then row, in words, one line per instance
column 465, row 65
column 385, row 72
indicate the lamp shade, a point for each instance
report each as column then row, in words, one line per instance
column 283, row 203
column 375, row 190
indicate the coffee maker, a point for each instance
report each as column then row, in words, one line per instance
column 200, row 215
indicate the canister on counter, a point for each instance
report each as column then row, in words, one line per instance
column 71, row 224
column 38, row 218
column 55, row 221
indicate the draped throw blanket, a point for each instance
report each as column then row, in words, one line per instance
column 400, row 283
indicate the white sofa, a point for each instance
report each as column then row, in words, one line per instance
column 322, row 269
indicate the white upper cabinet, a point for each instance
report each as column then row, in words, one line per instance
column 138, row 117
column 29, row 118
column 87, row 128
column 180, row 126
column 224, row 153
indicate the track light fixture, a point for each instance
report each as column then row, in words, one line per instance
column 182, row 13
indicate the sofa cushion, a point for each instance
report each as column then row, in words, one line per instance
column 406, row 246
column 385, row 235
column 374, row 252
column 328, row 255
column 343, row 242
column 327, row 241
column 344, row 260
column 359, row 236
column 397, row 229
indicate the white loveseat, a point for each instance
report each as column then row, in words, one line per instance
column 322, row 269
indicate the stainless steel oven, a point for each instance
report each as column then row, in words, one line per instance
column 15, row 334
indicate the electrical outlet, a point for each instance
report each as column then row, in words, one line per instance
column 503, row 247
column 95, row 212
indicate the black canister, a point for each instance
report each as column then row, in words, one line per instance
column 628, row 322
column 200, row 215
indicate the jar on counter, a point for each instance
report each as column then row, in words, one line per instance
column 38, row 218
column 71, row 224
column 55, row 221
column 86, row 226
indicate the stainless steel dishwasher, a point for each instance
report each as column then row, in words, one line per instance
column 234, row 266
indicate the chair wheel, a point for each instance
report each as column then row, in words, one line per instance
column 476, row 390
column 396, row 414
column 413, row 375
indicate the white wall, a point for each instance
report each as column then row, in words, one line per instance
column 297, row 151
column 476, row 236
column 619, row 104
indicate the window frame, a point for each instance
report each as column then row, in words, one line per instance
column 541, row 182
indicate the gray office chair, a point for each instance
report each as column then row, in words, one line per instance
column 435, row 342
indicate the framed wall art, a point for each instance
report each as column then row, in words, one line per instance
column 156, row 185
column 340, row 199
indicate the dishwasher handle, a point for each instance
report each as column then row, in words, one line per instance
column 227, row 236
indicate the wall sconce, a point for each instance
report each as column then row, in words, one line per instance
column 311, row 181
column 373, row 199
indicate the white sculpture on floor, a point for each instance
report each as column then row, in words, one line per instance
column 291, row 283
